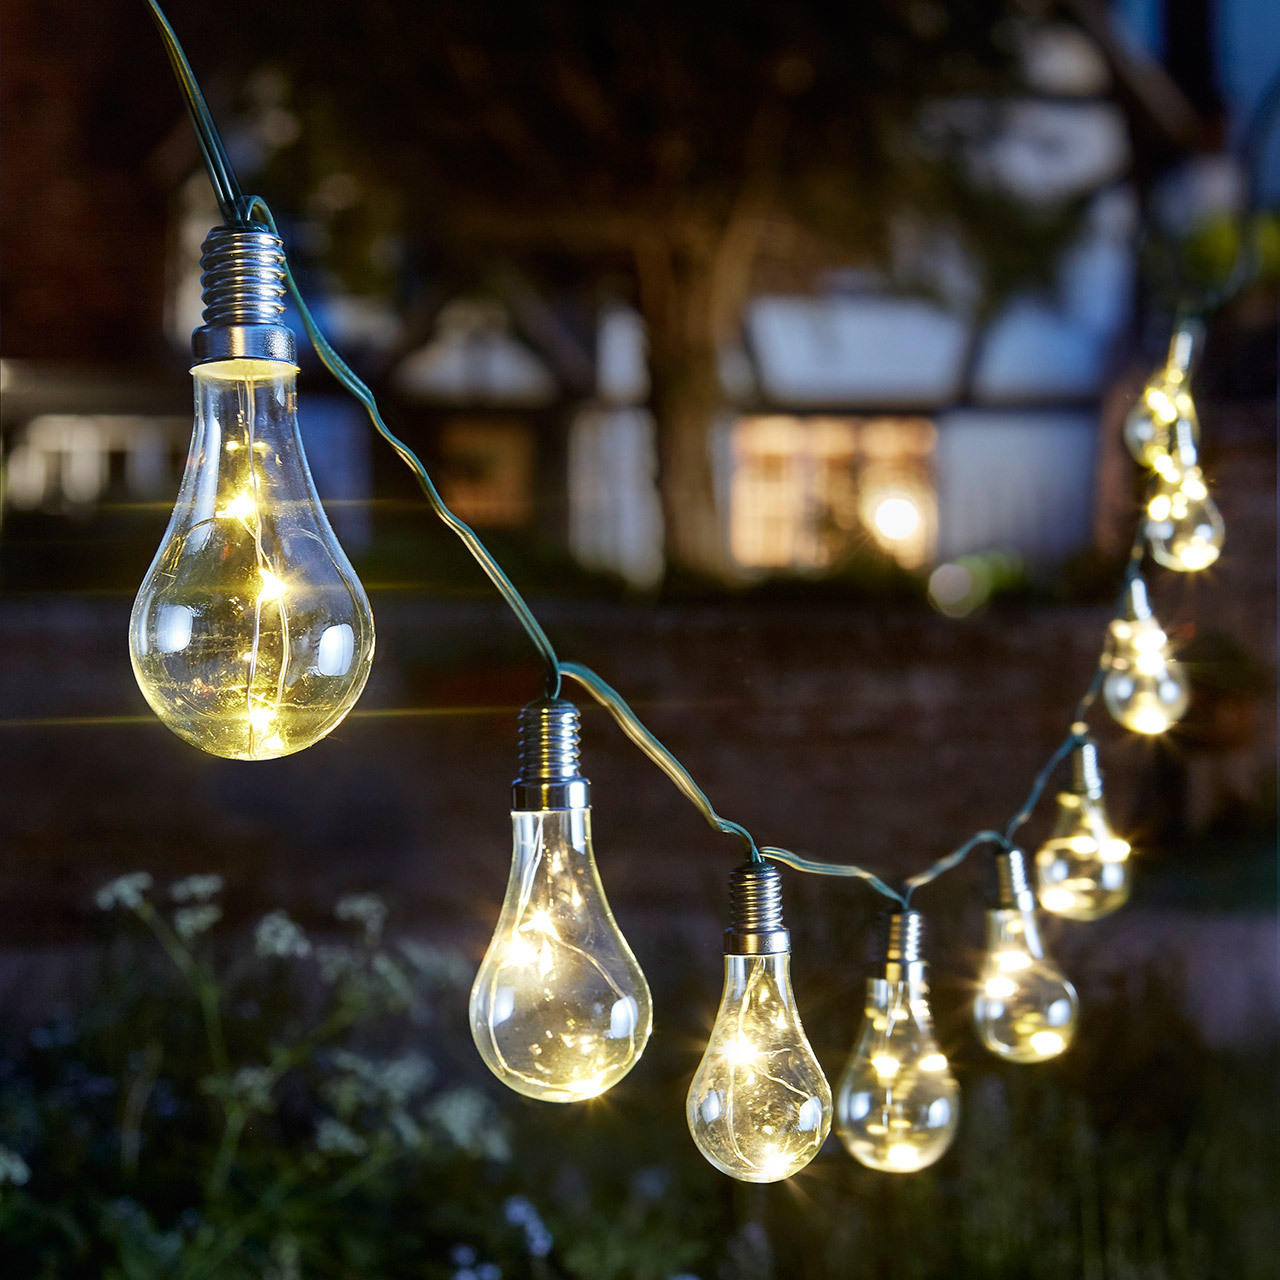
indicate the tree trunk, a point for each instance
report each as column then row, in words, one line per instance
column 683, row 312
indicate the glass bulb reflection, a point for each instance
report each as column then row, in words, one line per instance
column 759, row 1107
column 1184, row 527
column 559, row 1009
column 1025, row 1009
column 1144, row 688
column 1083, row 867
column 1149, row 428
column 251, row 636
column 897, row 1103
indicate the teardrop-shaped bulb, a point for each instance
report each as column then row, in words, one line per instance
column 251, row 636
column 1149, row 427
column 1184, row 527
column 1144, row 688
column 1082, row 869
column 897, row 1103
column 559, row 1009
column 759, row 1107
column 1025, row 1009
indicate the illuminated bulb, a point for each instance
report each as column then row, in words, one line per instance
column 1082, row 870
column 897, row 1103
column 759, row 1107
column 1184, row 528
column 1165, row 402
column 251, row 636
column 560, row 1010
column 1144, row 688
column 1025, row 1009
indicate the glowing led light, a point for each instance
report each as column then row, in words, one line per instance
column 1144, row 688
column 252, row 562
column 1024, row 1011
column 897, row 1104
column 896, row 518
column 1081, row 868
column 560, row 1010
column 758, row 1106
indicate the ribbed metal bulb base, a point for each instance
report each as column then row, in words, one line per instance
column 1086, row 774
column 1013, row 889
column 755, row 912
column 548, row 772
column 906, row 934
column 243, row 284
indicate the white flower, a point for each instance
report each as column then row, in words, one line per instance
column 335, row 961
column 434, row 964
column 391, row 973
column 124, row 891
column 469, row 1122
column 190, row 922
column 253, row 1085
column 337, row 1139
column 13, row 1168
column 277, row 935
column 366, row 909
column 196, row 888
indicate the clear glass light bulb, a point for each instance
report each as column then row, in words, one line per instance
column 251, row 636
column 1144, row 688
column 1149, row 425
column 1025, row 1009
column 559, row 1009
column 1082, row 869
column 759, row 1107
column 897, row 1103
column 1165, row 402
column 1184, row 527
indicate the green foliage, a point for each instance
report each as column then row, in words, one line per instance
column 277, row 1105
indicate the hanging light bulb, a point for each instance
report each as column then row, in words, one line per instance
column 251, row 636
column 1165, row 400
column 1184, row 528
column 897, row 1104
column 759, row 1107
column 1025, row 1009
column 1083, row 868
column 560, row 1010
column 1144, row 688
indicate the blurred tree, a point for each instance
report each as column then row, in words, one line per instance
column 666, row 148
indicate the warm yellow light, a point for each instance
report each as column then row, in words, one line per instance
column 758, row 1107
column 1048, row 1044
column 1011, row 961
column 999, row 988
column 1016, row 1008
column 739, row 1050
column 270, row 586
column 904, row 1157
column 560, row 1010
column 897, row 1105
column 886, row 1065
column 897, row 518
column 248, row 525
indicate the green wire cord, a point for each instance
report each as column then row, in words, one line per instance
column 238, row 210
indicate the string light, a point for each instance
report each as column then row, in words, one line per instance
column 1025, row 1009
column 560, row 1009
column 897, row 1103
column 251, row 636
column 1165, row 401
column 1183, row 526
column 1145, row 689
column 759, row 1107
column 1082, row 869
